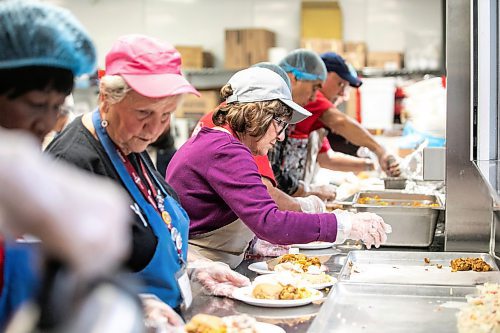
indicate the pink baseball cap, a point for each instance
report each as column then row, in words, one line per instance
column 149, row 66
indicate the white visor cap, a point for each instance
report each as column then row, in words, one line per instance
column 257, row 84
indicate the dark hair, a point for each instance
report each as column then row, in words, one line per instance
column 252, row 118
column 15, row 82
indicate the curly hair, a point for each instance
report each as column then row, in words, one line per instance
column 253, row 118
column 114, row 88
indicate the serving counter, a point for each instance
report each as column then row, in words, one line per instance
column 296, row 319
column 353, row 307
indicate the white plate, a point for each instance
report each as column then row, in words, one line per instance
column 287, row 277
column 245, row 295
column 260, row 267
column 320, row 286
column 267, row 328
column 314, row 245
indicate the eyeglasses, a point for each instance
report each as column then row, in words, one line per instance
column 282, row 125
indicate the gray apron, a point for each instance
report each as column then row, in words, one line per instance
column 313, row 146
column 227, row 244
column 295, row 157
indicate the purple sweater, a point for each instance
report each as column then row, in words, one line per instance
column 217, row 181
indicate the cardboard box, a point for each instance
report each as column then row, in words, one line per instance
column 321, row 45
column 385, row 60
column 193, row 57
column 351, row 105
column 245, row 47
column 355, row 54
column 357, row 47
column 196, row 107
column 356, row 59
column 208, row 59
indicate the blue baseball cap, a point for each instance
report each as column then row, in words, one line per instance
column 335, row 63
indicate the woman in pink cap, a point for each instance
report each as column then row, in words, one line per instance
column 141, row 87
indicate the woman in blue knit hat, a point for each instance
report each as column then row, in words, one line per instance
column 42, row 49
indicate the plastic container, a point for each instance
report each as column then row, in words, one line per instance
column 377, row 103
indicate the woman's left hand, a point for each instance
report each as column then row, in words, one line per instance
column 266, row 249
column 218, row 279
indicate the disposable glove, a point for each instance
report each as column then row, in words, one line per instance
column 369, row 228
column 266, row 249
column 324, row 192
column 159, row 316
column 390, row 164
column 311, row 204
column 80, row 219
column 216, row 278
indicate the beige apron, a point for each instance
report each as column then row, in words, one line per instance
column 227, row 244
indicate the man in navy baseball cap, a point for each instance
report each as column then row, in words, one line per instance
column 325, row 114
column 335, row 63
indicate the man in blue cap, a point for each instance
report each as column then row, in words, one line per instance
column 297, row 154
column 325, row 112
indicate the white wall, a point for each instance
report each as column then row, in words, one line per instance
column 410, row 26
column 385, row 25
column 186, row 22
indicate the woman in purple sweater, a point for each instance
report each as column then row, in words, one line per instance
column 218, row 184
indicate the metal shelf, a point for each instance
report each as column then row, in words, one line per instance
column 215, row 78
column 208, row 78
column 378, row 72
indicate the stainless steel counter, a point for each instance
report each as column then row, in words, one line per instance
column 365, row 307
column 297, row 319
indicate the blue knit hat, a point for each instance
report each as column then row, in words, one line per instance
column 38, row 34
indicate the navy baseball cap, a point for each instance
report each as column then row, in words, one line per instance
column 335, row 63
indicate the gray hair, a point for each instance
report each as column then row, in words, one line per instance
column 114, row 88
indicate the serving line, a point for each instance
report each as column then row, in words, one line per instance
column 298, row 319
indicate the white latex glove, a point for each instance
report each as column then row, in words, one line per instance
column 311, row 204
column 80, row 219
column 369, row 228
column 390, row 164
column 159, row 316
column 266, row 249
column 324, row 192
column 217, row 278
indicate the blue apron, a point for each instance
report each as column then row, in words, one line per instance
column 158, row 276
column 20, row 278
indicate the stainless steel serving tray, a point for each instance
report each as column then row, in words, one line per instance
column 394, row 183
column 354, row 307
column 399, row 267
column 412, row 219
